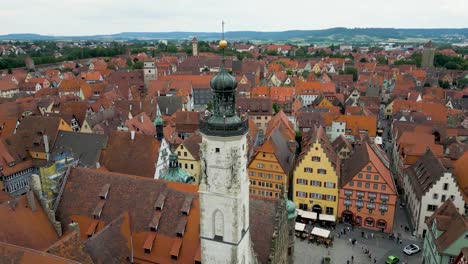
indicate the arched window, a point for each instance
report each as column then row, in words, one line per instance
column 358, row 220
column 218, row 225
column 369, row 222
column 381, row 223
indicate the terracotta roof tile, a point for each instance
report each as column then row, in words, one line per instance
column 134, row 196
column 137, row 157
column 16, row 227
column 22, row 255
column 452, row 224
column 71, row 247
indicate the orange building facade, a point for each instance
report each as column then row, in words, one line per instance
column 368, row 194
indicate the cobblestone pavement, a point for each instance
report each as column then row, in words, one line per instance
column 342, row 250
column 380, row 246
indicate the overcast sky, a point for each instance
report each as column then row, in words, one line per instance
column 86, row 17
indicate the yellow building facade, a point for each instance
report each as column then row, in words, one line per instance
column 315, row 178
column 266, row 175
column 271, row 166
column 188, row 154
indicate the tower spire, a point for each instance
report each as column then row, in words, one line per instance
column 159, row 124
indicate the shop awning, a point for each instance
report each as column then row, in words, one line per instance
column 309, row 215
column 299, row 211
column 300, row 227
column 325, row 217
column 317, row 231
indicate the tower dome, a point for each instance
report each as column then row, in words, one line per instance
column 223, row 81
column 174, row 173
column 291, row 207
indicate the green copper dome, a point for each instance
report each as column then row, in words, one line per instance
column 174, row 173
column 158, row 121
column 223, row 81
column 291, row 207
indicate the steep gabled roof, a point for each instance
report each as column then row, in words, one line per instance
column 192, row 144
column 341, row 142
column 71, row 247
column 23, row 255
column 112, row 243
column 86, row 147
column 362, row 155
column 318, row 135
column 16, row 227
column 136, row 157
column 452, row 224
column 427, row 170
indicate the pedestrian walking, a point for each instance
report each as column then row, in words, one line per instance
column 352, row 259
column 375, row 260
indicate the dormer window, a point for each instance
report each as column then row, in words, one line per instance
column 104, row 191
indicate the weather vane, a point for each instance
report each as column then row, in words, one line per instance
column 222, row 29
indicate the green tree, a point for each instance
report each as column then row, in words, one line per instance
column 138, row 65
column 10, row 71
column 272, row 52
column 305, row 74
column 353, row 71
column 171, row 48
column 129, row 63
column 382, row 60
column 363, row 60
column 462, row 83
column 275, row 108
column 444, row 84
column 289, row 72
column 451, row 65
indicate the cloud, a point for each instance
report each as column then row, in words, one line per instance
column 87, row 17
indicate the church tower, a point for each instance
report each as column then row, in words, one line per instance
column 194, row 46
column 150, row 72
column 224, row 184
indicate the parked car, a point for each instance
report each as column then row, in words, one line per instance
column 411, row 249
column 392, row 260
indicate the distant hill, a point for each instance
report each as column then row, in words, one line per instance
column 340, row 34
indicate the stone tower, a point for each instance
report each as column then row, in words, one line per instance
column 150, row 72
column 428, row 55
column 224, row 184
column 195, row 46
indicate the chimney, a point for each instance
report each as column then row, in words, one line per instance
column 46, row 146
column 31, row 202
column 98, row 165
column 141, row 105
column 141, row 119
column 132, row 135
column 130, row 107
column 74, row 226
column 167, row 111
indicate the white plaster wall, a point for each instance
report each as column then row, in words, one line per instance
column 224, row 186
column 163, row 161
column 438, row 188
column 337, row 129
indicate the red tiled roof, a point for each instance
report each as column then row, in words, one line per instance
column 16, row 228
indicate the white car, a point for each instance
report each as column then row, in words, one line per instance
column 411, row 249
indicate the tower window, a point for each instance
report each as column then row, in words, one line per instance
column 217, row 150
